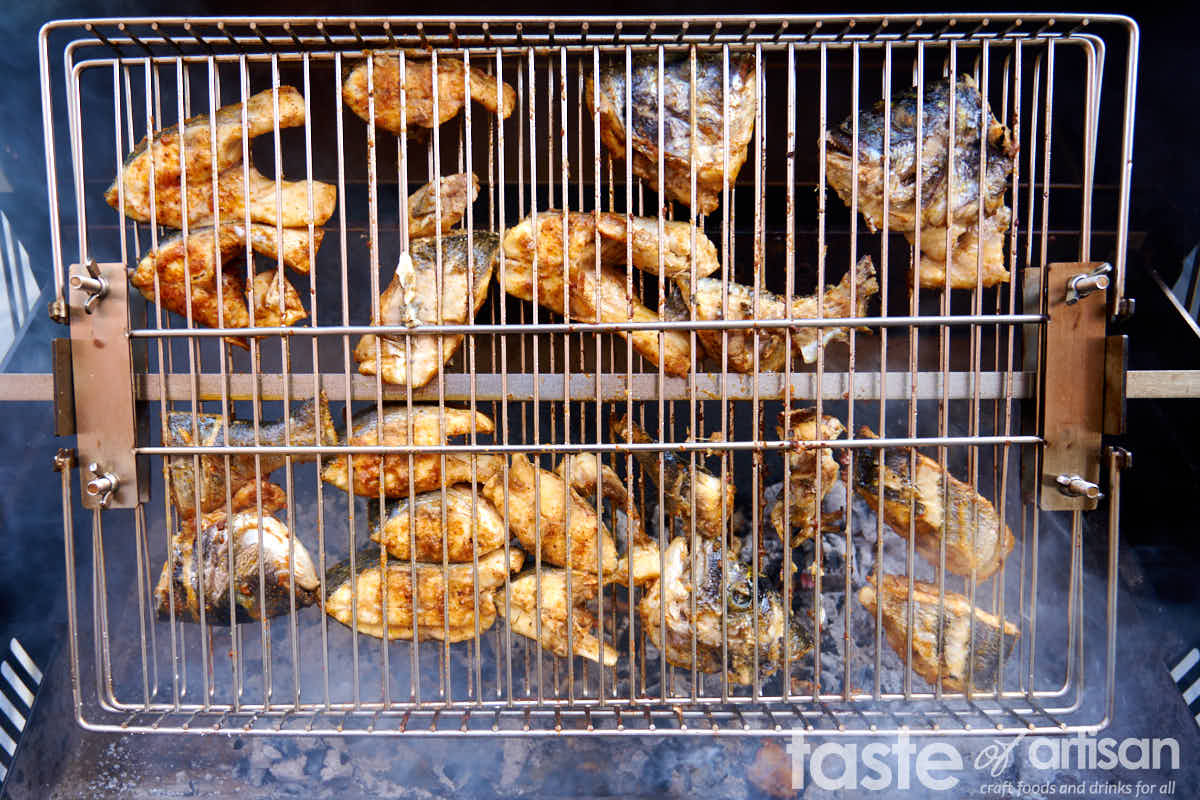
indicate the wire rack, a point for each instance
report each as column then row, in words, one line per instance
column 951, row 375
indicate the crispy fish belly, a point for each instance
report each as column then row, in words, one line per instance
column 686, row 492
column 975, row 539
column 171, row 150
column 454, row 192
column 472, row 526
column 840, row 300
column 391, row 472
column 234, row 196
column 525, row 597
column 445, row 598
column 539, row 502
column 275, row 302
column 666, row 608
column 715, row 114
column 180, row 582
column 310, row 424
column 413, row 299
column 803, row 509
column 959, row 655
column 947, row 199
column 454, row 84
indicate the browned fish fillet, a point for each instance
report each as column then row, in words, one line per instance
column 556, row 613
column 537, row 502
column 456, row 193
column 974, row 538
column 454, row 84
column 264, row 296
column 195, row 142
column 959, row 654
column 723, row 124
column 964, row 262
column 472, row 526
column 804, row 517
column 445, row 598
column 427, row 471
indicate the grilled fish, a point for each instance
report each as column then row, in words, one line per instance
column 234, row 194
column 945, row 199
column 445, row 599
column 522, row 611
column 839, row 301
column 180, row 581
column 472, row 526
column 666, row 608
column 540, row 502
column 723, row 123
column 454, row 84
column 427, row 470
column 456, row 191
column 309, row 425
column 975, row 540
column 275, row 301
column 594, row 295
column 165, row 157
column 959, row 654
column 413, row 298
column 804, row 518
column 712, row 503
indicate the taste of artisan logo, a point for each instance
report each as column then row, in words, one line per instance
column 933, row 765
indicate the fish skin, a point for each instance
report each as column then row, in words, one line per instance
column 453, row 82
column 991, row 634
column 196, row 140
column 263, row 297
column 457, row 192
column 469, row 518
column 526, row 594
column 460, row 301
column 427, row 472
column 991, row 544
column 711, row 120
column 310, row 421
column 805, row 517
column 179, row 573
column 457, row 588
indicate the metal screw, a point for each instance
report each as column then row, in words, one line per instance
column 57, row 309
column 95, row 285
column 64, row 459
column 103, row 485
column 1086, row 283
column 1075, row 486
column 1125, row 307
column 1122, row 458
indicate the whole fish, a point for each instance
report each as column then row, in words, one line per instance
column 974, row 538
column 190, row 145
column 392, row 471
column 472, row 526
column 724, row 123
column 419, row 294
column 528, row 599
column 310, row 424
column 205, row 560
column 445, row 599
column 943, row 645
column 415, row 110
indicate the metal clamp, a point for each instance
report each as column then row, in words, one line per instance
column 102, row 485
column 1085, row 283
column 94, row 284
column 1075, row 486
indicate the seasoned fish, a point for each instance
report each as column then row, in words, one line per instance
column 195, row 143
column 457, row 192
column 538, row 501
column 269, row 291
column 712, row 503
column 591, row 300
column 723, row 124
column 472, row 525
column 427, row 470
column 958, row 652
column 181, row 575
column 804, row 517
column 975, row 540
column 960, row 209
column 234, row 194
column 412, row 298
column 310, row 424
column 556, row 613
column 445, row 599
column 454, row 84
column 670, row 599
column 772, row 342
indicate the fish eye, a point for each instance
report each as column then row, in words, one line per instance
column 740, row 597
